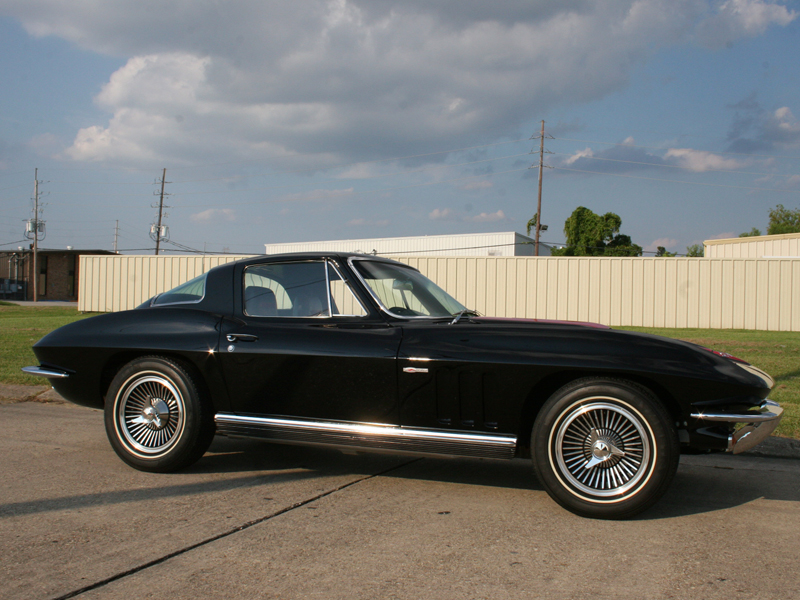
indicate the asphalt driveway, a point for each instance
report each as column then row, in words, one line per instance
column 256, row 520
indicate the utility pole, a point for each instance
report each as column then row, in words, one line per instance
column 116, row 235
column 159, row 232
column 539, row 226
column 35, row 235
column 539, row 202
column 160, row 209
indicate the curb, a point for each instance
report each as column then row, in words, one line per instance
column 11, row 394
column 776, row 447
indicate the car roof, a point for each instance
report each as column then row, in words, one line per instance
column 298, row 256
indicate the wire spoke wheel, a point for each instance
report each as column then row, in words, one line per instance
column 602, row 449
column 158, row 418
column 150, row 413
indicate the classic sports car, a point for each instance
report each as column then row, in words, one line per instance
column 355, row 351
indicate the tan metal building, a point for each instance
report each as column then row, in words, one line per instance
column 507, row 243
column 725, row 293
column 763, row 246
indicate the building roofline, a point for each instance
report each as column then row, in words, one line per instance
column 753, row 238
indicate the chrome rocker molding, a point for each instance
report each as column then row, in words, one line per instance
column 758, row 426
column 43, row 372
column 385, row 438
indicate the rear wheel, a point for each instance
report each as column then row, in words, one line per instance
column 157, row 417
column 604, row 448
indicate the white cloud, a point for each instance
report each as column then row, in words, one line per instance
column 213, row 214
column 585, row 153
column 723, row 236
column 319, row 82
column 667, row 243
column 700, row 160
column 442, row 214
column 487, row 217
column 477, row 185
column 361, row 222
column 317, row 195
column 783, row 128
column 742, row 18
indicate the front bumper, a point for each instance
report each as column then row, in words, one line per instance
column 758, row 425
column 46, row 372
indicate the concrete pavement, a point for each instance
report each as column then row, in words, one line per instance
column 256, row 520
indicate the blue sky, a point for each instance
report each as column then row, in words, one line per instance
column 282, row 122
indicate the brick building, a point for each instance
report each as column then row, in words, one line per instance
column 58, row 273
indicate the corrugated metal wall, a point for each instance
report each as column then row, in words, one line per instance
column 122, row 282
column 650, row 292
column 755, row 247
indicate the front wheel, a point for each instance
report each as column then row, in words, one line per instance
column 604, row 448
column 157, row 416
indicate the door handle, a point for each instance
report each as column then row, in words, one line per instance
column 241, row 337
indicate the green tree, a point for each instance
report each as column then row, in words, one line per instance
column 695, row 250
column 783, row 220
column 531, row 226
column 661, row 251
column 752, row 233
column 589, row 234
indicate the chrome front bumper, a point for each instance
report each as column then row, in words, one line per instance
column 757, row 426
column 44, row 372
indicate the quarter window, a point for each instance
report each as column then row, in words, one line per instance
column 189, row 292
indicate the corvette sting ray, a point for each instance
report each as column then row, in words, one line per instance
column 360, row 352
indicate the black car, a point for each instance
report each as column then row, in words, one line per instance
column 356, row 351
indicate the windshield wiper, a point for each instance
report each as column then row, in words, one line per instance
column 466, row 311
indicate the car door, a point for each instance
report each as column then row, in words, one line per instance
column 302, row 344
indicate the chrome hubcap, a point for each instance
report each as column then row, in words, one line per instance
column 155, row 416
column 603, row 449
column 150, row 414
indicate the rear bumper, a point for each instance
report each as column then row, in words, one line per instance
column 757, row 425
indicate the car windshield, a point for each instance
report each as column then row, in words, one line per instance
column 405, row 292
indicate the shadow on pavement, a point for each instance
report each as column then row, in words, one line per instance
column 697, row 488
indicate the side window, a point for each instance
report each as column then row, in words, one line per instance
column 343, row 301
column 286, row 290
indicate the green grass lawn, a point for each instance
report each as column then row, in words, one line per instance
column 20, row 328
column 777, row 353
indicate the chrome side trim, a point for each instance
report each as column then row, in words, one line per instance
column 758, row 426
column 414, row 370
column 386, row 438
column 44, row 372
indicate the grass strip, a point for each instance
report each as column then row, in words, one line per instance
column 776, row 352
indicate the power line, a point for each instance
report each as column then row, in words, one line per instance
column 740, row 187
